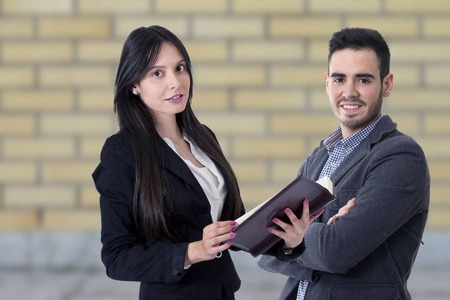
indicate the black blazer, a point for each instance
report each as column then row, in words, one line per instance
column 159, row 264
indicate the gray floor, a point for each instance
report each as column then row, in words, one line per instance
column 92, row 284
column 68, row 269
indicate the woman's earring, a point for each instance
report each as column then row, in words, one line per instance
column 135, row 92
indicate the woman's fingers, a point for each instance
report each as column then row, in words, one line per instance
column 292, row 234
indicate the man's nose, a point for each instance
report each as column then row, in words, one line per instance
column 350, row 90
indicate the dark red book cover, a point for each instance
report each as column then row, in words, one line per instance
column 252, row 234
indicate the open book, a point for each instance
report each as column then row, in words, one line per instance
column 252, row 234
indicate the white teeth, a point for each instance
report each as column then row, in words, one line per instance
column 350, row 106
column 175, row 97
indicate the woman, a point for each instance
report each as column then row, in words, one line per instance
column 167, row 191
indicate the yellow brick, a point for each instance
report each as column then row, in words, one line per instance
column 17, row 172
column 97, row 27
column 71, row 220
column 32, row 52
column 192, row 6
column 38, row 148
column 413, row 99
column 298, row 76
column 318, row 51
column 255, row 195
column 435, row 147
column 250, row 171
column 406, row 76
column 237, row 27
column 116, row 7
column 439, row 194
column 210, row 99
column 268, row 51
column 314, row 143
column 96, row 51
column 304, row 27
column 39, row 196
column 439, row 171
column 436, row 27
column 89, row 197
column 16, row 28
column 234, row 123
column 268, row 6
column 319, row 99
column 225, row 145
column 76, row 124
column 12, row 220
column 37, row 100
column 438, row 218
column 417, row 6
column 97, row 100
column 75, row 76
column 436, row 76
column 388, row 26
column 423, row 51
column 301, row 123
column 407, row 123
column 69, row 172
column 41, row 7
column 17, row 125
column 345, row 6
column 257, row 99
column 220, row 76
column 435, row 123
column 125, row 25
column 284, row 171
column 16, row 77
column 91, row 147
column 268, row 147
column 207, row 51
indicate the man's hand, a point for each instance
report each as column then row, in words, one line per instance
column 342, row 211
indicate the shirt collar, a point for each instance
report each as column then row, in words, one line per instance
column 350, row 142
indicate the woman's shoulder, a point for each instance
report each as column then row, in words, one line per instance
column 118, row 144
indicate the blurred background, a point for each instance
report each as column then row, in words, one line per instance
column 258, row 83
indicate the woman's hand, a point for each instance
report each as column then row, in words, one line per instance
column 293, row 233
column 210, row 245
column 342, row 211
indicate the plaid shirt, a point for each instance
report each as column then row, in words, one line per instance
column 339, row 148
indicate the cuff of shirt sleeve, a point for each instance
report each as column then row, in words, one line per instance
column 296, row 252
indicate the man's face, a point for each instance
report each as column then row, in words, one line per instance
column 355, row 89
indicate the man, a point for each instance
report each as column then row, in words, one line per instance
column 368, row 253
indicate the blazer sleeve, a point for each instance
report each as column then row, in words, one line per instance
column 125, row 255
column 394, row 190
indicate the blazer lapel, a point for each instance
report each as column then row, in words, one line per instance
column 359, row 153
column 384, row 127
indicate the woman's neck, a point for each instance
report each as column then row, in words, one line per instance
column 169, row 128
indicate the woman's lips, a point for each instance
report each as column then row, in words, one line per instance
column 176, row 98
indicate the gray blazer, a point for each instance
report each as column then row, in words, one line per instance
column 369, row 253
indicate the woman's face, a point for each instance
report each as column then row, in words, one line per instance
column 165, row 88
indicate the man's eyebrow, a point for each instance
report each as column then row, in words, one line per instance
column 364, row 75
column 359, row 75
column 337, row 75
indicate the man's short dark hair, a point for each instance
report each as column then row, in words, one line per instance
column 362, row 38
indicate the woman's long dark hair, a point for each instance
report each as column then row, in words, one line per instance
column 139, row 53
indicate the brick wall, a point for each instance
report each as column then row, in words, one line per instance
column 259, row 84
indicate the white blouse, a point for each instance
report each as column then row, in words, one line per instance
column 209, row 177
